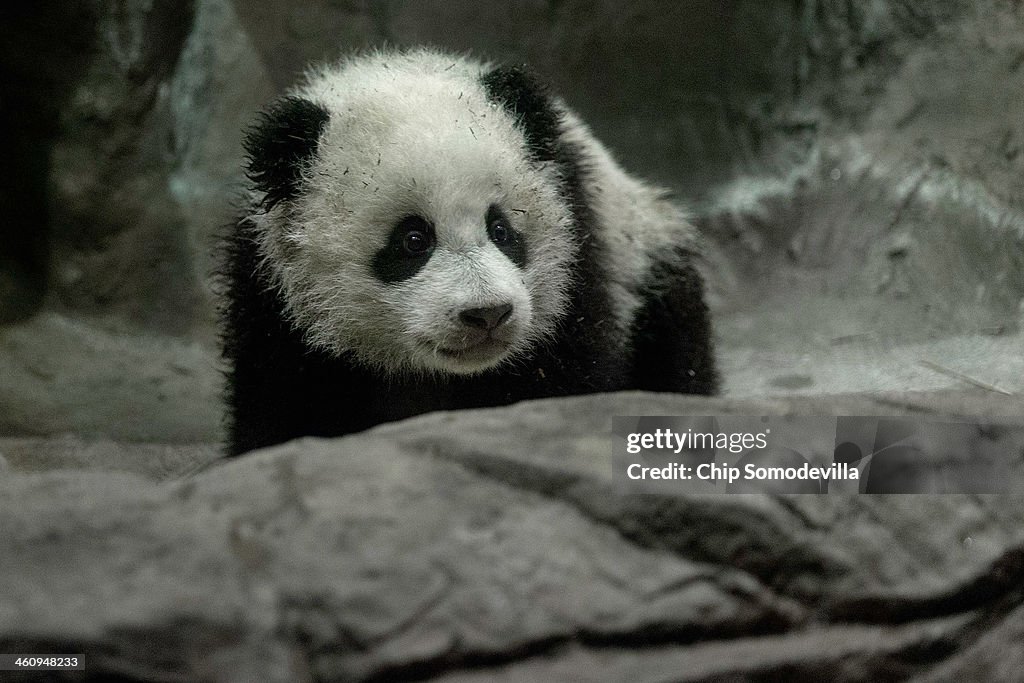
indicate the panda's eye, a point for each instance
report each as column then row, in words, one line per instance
column 416, row 242
column 498, row 228
column 416, row 236
column 500, row 233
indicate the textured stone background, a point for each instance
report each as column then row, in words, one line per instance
column 858, row 169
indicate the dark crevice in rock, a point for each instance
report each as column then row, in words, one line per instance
column 866, row 666
column 704, row 531
column 650, row 635
column 995, row 593
column 794, row 510
column 840, row 654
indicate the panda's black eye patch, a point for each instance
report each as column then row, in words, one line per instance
column 504, row 236
column 409, row 247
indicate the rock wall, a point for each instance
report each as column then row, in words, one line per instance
column 128, row 117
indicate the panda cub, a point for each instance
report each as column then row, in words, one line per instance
column 428, row 232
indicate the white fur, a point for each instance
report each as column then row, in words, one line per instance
column 414, row 133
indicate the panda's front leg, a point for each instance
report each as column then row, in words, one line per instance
column 672, row 335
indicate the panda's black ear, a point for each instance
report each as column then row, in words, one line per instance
column 281, row 142
column 528, row 101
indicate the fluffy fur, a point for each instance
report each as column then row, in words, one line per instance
column 430, row 232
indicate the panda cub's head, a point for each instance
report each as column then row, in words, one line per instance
column 410, row 212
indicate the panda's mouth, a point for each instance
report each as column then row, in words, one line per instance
column 474, row 354
column 482, row 350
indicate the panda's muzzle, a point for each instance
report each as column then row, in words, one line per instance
column 486, row 333
column 486, row 318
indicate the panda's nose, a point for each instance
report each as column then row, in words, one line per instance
column 486, row 318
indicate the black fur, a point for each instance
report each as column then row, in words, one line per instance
column 278, row 146
column 280, row 388
column 528, row 101
column 672, row 332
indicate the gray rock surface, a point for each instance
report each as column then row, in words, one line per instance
column 64, row 374
column 493, row 545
